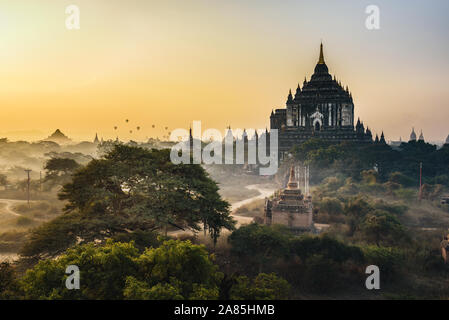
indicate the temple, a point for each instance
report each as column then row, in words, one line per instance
column 290, row 207
column 322, row 108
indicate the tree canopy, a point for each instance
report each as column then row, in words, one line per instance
column 132, row 189
column 175, row 270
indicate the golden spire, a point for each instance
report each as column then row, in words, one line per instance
column 321, row 60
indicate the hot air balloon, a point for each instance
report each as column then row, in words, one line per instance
column 115, row 127
column 127, row 120
column 166, row 128
column 138, row 128
column 130, row 131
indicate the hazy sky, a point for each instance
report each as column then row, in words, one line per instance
column 222, row 62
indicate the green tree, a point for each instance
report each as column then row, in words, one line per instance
column 59, row 170
column 390, row 260
column 356, row 209
column 60, row 166
column 382, row 227
column 402, row 179
column 307, row 246
column 140, row 290
column 103, row 272
column 259, row 244
column 175, row 270
column 132, row 189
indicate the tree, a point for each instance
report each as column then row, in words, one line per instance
column 324, row 262
column 145, row 183
column 59, row 170
column 307, row 246
column 356, row 209
column 402, row 179
column 103, row 272
column 132, row 189
column 60, row 166
column 259, row 244
column 380, row 226
column 390, row 260
column 175, row 270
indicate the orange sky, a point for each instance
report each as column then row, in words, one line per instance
column 222, row 62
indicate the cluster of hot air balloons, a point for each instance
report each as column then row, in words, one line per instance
column 138, row 129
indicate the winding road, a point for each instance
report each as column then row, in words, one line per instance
column 6, row 210
column 7, row 213
column 264, row 192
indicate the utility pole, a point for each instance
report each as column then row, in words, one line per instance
column 28, row 186
column 420, row 182
column 40, row 181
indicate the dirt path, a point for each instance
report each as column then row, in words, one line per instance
column 6, row 208
column 7, row 212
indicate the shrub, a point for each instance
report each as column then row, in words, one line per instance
column 389, row 260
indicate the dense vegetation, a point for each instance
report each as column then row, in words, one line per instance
column 122, row 209
column 132, row 189
column 350, row 159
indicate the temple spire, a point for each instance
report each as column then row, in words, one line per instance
column 292, row 184
column 321, row 60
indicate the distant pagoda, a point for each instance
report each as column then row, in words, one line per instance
column 96, row 141
column 290, row 207
column 58, row 137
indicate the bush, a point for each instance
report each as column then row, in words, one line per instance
column 389, row 260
